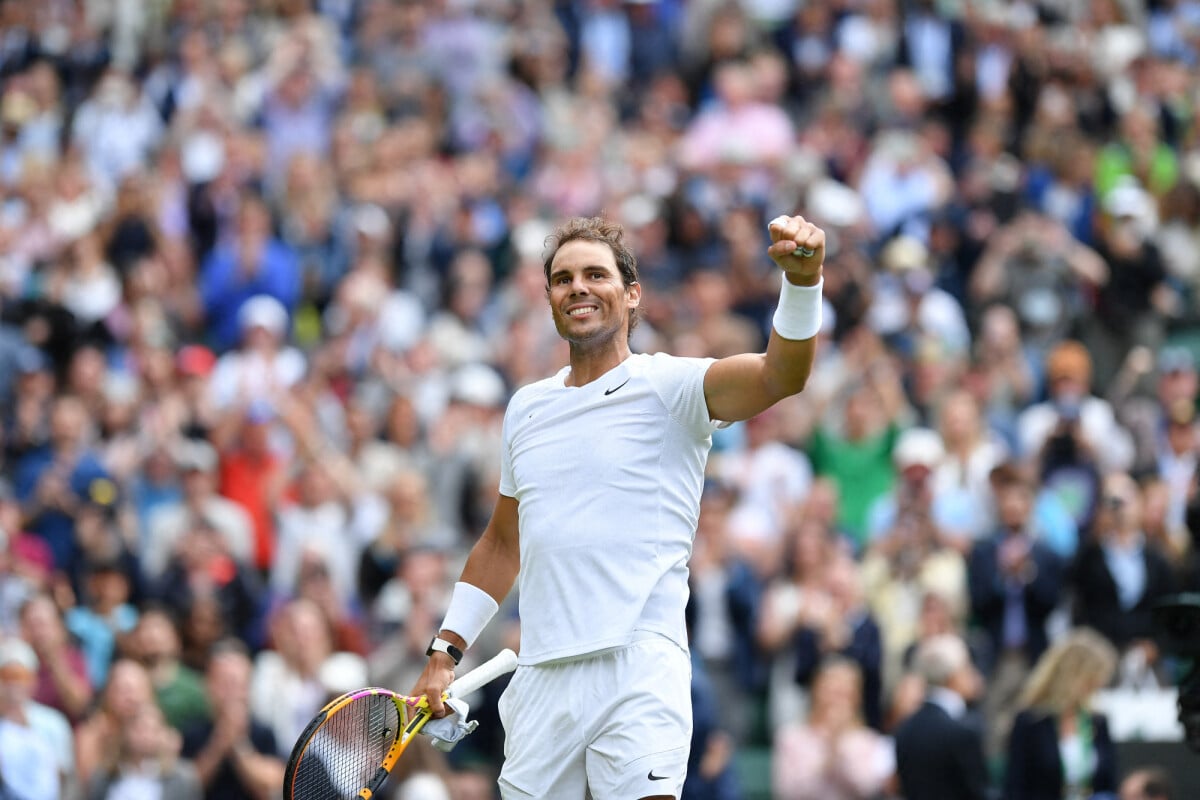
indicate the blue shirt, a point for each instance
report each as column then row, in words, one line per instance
column 224, row 287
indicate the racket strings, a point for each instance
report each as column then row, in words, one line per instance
column 345, row 753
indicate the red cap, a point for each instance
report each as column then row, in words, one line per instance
column 195, row 359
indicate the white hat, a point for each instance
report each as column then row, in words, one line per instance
column 918, row 447
column 372, row 221
column 477, row 385
column 904, row 253
column 17, row 651
column 834, row 203
column 1129, row 199
column 194, row 454
column 343, row 672
column 263, row 311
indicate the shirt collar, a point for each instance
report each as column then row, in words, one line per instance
column 948, row 701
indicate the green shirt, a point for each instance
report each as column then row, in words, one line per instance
column 861, row 469
column 183, row 700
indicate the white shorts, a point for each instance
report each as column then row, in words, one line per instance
column 613, row 726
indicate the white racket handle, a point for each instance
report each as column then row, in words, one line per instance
column 502, row 663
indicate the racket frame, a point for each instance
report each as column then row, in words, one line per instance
column 413, row 712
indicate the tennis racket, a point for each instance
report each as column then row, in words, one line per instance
column 352, row 744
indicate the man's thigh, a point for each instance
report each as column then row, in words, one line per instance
column 613, row 727
column 642, row 740
column 543, row 735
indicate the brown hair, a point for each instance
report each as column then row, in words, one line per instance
column 603, row 231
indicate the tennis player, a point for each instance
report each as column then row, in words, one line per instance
column 599, row 494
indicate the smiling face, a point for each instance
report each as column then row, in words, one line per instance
column 589, row 299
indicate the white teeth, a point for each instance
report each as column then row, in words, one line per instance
column 579, row 312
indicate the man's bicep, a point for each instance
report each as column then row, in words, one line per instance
column 735, row 389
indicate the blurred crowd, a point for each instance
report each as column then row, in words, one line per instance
column 270, row 269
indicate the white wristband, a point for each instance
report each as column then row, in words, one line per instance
column 471, row 609
column 798, row 315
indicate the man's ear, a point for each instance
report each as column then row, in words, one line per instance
column 635, row 294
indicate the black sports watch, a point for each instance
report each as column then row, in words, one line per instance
column 440, row 645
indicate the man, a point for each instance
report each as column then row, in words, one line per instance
column 234, row 754
column 938, row 755
column 1118, row 575
column 1015, row 582
column 53, row 481
column 36, row 743
column 601, row 477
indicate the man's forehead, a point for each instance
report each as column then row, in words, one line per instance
column 581, row 252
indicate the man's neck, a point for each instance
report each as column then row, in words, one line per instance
column 588, row 366
column 948, row 700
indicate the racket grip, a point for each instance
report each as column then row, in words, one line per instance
column 501, row 664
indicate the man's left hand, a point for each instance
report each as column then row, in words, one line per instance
column 798, row 247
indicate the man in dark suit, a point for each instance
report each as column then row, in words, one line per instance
column 938, row 754
column 1015, row 583
column 1118, row 575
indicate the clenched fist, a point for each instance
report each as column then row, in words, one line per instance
column 798, row 247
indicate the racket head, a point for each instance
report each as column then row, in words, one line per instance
column 349, row 748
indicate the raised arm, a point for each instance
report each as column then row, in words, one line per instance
column 741, row 386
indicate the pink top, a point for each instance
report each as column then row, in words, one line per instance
column 804, row 765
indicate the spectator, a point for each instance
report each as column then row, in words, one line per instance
column 972, row 450
column 62, row 681
column 178, row 691
column 203, row 571
column 52, row 481
column 770, row 478
column 96, row 736
column 234, row 754
column 315, row 522
column 726, row 595
column 1117, row 577
column 918, row 455
column 37, row 746
column 843, row 625
column 302, row 664
column 832, row 754
column 1058, row 746
column 251, row 263
column 251, row 472
column 912, row 556
column 168, row 524
column 263, row 365
column 1015, row 584
column 1135, row 303
column 857, row 453
column 938, row 753
column 147, row 755
column 106, row 616
column 1073, row 436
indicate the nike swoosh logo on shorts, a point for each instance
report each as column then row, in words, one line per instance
column 650, row 776
column 610, row 391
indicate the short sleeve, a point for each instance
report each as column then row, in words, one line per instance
column 679, row 383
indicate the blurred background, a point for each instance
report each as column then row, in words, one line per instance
column 269, row 272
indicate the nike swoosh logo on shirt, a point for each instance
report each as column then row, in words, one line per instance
column 610, row 391
column 650, row 776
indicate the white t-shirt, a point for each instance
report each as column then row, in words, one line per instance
column 29, row 764
column 608, row 479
